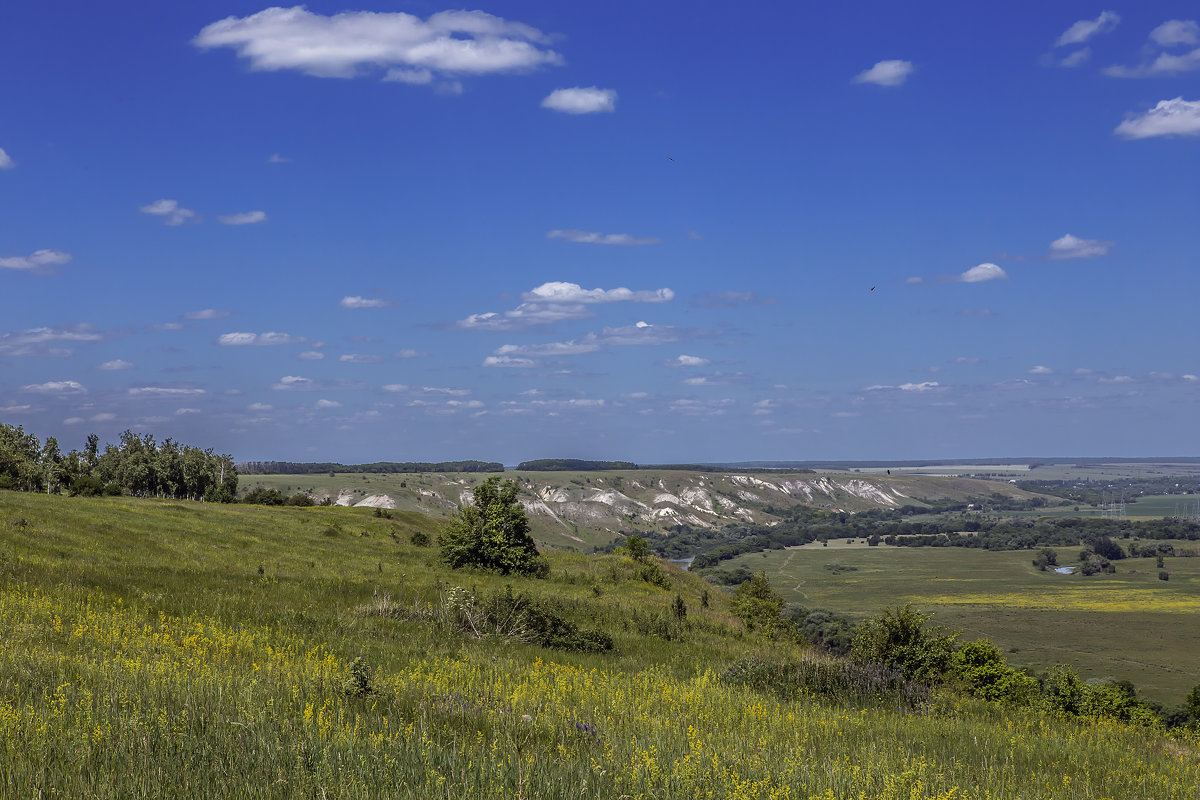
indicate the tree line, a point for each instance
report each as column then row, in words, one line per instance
column 137, row 465
column 378, row 467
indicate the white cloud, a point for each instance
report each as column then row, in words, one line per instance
column 1176, row 117
column 275, row 158
column 586, row 237
column 39, row 261
column 1176, row 32
column 560, row 292
column 447, row 390
column 1040, row 370
column 886, row 73
column 408, row 352
column 983, row 272
column 396, row 387
column 580, row 100
column 55, row 387
column 416, row 77
column 1076, row 59
column 5, row 161
column 42, row 341
column 115, row 365
column 1189, row 377
column 179, row 412
column 1070, row 246
column 363, row 302
column 245, row 218
column 259, row 407
column 587, row 344
column 68, row 420
column 556, row 301
column 164, row 391
column 689, row 361
column 322, row 403
column 1164, row 64
column 359, row 358
column 641, row 333
column 506, row 361
column 1085, row 29
column 257, row 339
column 311, row 355
column 106, row 416
column 914, row 280
column 924, row 386
column 351, row 43
column 206, row 313
column 172, row 213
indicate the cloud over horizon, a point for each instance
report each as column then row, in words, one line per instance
column 580, row 100
column 886, row 73
column 1176, row 117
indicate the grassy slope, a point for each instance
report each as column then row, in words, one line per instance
column 1129, row 625
column 144, row 655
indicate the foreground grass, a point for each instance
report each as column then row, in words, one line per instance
column 144, row 655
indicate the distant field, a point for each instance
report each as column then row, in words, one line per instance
column 1129, row 625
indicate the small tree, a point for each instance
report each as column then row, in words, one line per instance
column 757, row 604
column 637, row 547
column 901, row 639
column 493, row 533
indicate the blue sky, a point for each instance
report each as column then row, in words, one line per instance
column 657, row 232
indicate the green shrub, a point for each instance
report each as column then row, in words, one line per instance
column 757, row 604
column 493, row 533
column 901, row 639
column 984, row 672
column 358, row 681
column 653, row 574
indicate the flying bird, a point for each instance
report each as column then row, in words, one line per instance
column 872, row 288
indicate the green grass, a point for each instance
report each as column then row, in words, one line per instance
column 1129, row 625
column 146, row 654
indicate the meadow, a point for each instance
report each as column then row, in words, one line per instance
column 171, row 649
column 1129, row 625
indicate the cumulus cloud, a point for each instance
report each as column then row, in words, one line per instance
column 1176, row 117
column 206, row 313
column 1171, row 33
column 579, row 100
column 1163, row 64
column 171, row 212
column 406, row 47
column 179, row 412
column 55, row 387
column 5, row 161
column 1076, row 59
column 983, row 272
column 560, row 292
column 275, row 158
column 245, row 218
column 1070, row 246
column 395, row 387
column 354, row 301
column 164, row 391
column 44, row 341
column 556, row 301
column 587, row 344
column 1040, row 370
column 586, row 237
column 508, row 361
column 311, row 355
column 359, row 358
column 1085, row 29
column 924, row 386
column 257, row 339
column 39, row 261
column 408, row 352
column 259, row 407
column 292, row 382
column 323, row 403
column 1176, row 32
column 115, row 365
column 688, row 361
column 886, row 73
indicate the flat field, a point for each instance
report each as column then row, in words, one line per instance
column 1129, row 625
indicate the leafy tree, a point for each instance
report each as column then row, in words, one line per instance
column 637, row 547
column 757, row 604
column 985, row 672
column 493, row 533
column 901, row 639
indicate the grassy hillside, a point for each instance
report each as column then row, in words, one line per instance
column 581, row 509
column 165, row 649
column 1129, row 625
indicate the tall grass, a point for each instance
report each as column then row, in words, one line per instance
column 143, row 655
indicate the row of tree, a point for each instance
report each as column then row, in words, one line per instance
column 378, row 467
column 137, row 466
